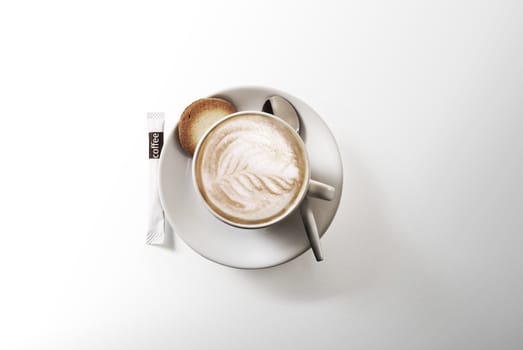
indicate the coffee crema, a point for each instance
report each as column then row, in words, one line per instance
column 250, row 169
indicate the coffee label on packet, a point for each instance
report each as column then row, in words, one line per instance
column 155, row 144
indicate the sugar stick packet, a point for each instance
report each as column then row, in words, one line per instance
column 156, row 227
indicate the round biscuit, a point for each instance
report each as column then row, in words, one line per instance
column 198, row 117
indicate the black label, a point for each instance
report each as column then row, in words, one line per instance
column 155, row 144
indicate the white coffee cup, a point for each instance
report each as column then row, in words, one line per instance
column 306, row 187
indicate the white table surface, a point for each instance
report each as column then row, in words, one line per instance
column 424, row 97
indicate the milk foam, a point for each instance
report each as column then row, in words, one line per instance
column 250, row 169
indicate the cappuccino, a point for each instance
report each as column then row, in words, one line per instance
column 251, row 169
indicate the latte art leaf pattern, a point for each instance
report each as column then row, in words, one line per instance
column 253, row 171
column 244, row 184
column 240, row 178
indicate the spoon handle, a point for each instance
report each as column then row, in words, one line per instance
column 311, row 228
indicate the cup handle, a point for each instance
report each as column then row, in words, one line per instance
column 320, row 190
column 311, row 228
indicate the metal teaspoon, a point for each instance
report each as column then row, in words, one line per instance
column 283, row 109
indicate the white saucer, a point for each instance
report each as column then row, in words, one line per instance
column 241, row 248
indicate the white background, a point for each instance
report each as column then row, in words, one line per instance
column 424, row 97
